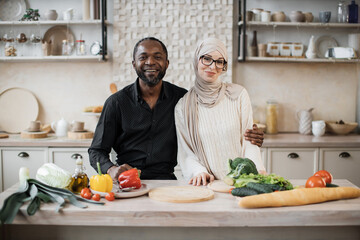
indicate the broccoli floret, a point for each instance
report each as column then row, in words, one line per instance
column 237, row 167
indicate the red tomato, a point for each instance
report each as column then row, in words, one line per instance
column 83, row 191
column 315, row 181
column 96, row 197
column 110, row 196
column 325, row 175
column 87, row 195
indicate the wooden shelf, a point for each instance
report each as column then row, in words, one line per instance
column 59, row 22
column 301, row 24
column 304, row 60
column 52, row 58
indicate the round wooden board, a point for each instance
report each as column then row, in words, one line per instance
column 181, row 194
column 219, row 186
column 4, row 135
column 26, row 134
column 80, row 135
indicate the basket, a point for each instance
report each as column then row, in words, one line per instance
column 341, row 129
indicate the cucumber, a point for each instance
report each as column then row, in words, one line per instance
column 260, row 187
column 331, row 185
column 243, row 192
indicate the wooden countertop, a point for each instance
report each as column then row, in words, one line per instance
column 285, row 140
column 222, row 211
column 288, row 140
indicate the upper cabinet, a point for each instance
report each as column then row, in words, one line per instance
column 297, row 31
column 67, row 30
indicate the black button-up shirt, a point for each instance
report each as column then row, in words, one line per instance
column 141, row 137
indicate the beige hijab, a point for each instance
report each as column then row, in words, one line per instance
column 206, row 94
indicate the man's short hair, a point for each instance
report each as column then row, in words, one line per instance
column 153, row 39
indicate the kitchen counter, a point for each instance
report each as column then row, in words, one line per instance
column 278, row 140
column 219, row 218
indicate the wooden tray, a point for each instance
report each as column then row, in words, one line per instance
column 31, row 135
column 80, row 135
column 181, row 194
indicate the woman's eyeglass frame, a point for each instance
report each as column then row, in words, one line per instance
column 222, row 62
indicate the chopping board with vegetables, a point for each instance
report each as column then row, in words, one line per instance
column 181, row 194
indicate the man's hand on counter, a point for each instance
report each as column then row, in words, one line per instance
column 115, row 171
column 255, row 136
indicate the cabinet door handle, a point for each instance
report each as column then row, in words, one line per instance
column 23, row 155
column 76, row 155
column 293, row 155
column 344, row 155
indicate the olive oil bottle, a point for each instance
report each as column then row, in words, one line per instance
column 79, row 179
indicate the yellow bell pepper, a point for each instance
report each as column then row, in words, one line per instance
column 101, row 182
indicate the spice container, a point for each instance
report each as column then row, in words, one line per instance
column 10, row 50
column 79, row 179
column 271, row 116
column 80, row 47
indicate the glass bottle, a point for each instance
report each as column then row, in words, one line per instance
column 353, row 12
column 342, row 14
column 79, row 179
column 271, row 117
column 254, row 45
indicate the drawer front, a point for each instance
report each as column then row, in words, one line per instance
column 14, row 159
column 66, row 158
column 293, row 163
column 341, row 163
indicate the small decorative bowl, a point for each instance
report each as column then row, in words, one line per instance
column 341, row 129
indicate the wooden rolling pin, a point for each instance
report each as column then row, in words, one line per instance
column 298, row 197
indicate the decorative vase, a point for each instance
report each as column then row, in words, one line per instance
column 311, row 51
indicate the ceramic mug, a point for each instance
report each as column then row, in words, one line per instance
column 34, row 126
column 324, row 16
column 318, row 128
column 77, row 126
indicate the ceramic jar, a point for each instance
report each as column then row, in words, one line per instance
column 50, row 14
column 285, row 49
column 265, row 16
column 273, row 49
column 297, row 49
column 305, row 119
column 309, row 17
column 318, row 128
column 296, row 16
column 257, row 14
column 278, row 17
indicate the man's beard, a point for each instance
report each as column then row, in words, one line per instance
column 152, row 81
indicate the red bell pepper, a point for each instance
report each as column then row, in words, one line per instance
column 130, row 178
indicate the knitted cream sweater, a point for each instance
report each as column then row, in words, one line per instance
column 221, row 129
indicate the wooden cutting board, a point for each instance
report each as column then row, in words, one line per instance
column 181, row 194
column 32, row 135
column 219, row 186
column 4, row 135
column 80, row 135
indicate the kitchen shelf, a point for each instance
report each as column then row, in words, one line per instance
column 301, row 24
column 303, row 60
column 58, row 22
column 52, row 58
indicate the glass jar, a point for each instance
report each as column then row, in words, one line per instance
column 271, row 117
column 80, row 47
column 65, row 48
column 342, row 14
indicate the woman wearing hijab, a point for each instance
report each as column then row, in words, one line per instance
column 211, row 119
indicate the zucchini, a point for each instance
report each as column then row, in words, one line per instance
column 331, row 185
column 243, row 192
column 260, row 187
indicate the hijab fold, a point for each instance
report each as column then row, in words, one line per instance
column 206, row 94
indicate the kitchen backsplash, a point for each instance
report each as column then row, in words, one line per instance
column 64, row 89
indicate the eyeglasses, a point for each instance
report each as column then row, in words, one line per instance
column 220, row 63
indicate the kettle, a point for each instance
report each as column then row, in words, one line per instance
column 305, row 118
column 60, row 127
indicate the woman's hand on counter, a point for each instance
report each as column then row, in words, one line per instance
column 202, row 178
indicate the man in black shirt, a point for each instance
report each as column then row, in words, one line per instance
column 138, row 121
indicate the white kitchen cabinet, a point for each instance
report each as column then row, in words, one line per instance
column 66, row 158
column 291, row 32
column 13, row 158
column 292, row 163
column 342, row 163
column 263, row 153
